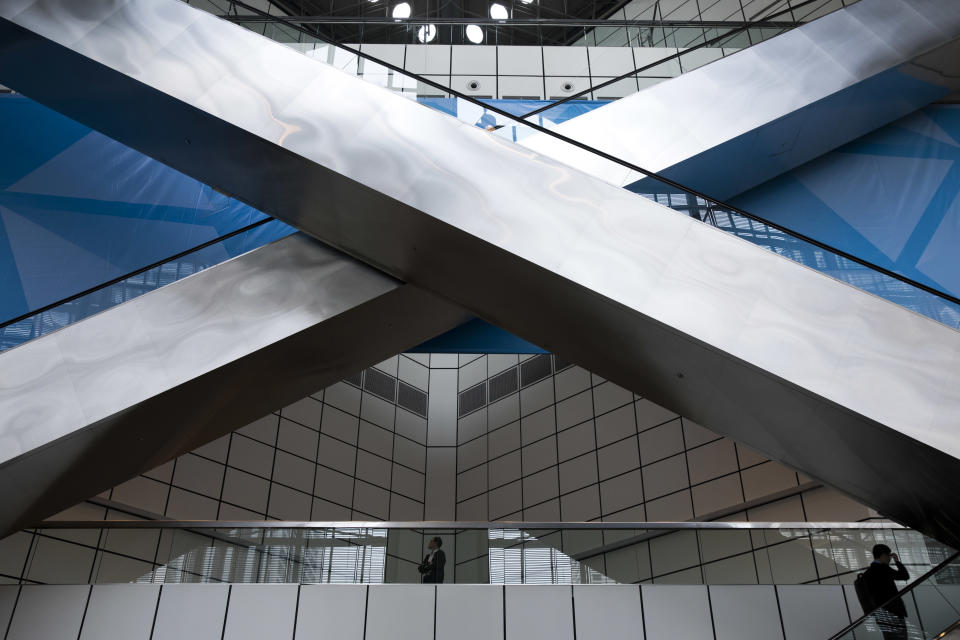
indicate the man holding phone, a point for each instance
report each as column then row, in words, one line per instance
column 879, row 582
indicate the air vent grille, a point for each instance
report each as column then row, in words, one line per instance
column 472, row 399
column 412, row 399
column 380, row 384
column 535, row 369
column 503, row 384
column 559, row 364
column 356, row 379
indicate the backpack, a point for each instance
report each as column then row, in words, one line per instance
column 863, row 594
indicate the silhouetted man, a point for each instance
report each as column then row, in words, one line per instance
column 431, row 569
column 879, row 582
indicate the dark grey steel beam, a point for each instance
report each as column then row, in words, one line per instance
column 98, row 402
column 808, row 370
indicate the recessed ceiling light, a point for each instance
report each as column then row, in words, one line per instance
column 401, row 10
column 498, row 11
column 427, row 33
column 474, row 34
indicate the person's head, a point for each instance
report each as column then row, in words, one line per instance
column 435, row 543
column 881, row 553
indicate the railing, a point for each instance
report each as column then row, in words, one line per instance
column 932, row 602
column 84, row 304
column 476, row 552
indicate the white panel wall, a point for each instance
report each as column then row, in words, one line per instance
column 120, row 611
column 400, row 612
column 425, row 612
column 469, row 612
column 608, row 611
column 745, row 612
column 539, row 612
column 258, row 611
column 676, row 611
column 334, row 612
column 194, row 611
column 812, row 611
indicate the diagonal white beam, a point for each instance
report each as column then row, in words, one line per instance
column 101, row 400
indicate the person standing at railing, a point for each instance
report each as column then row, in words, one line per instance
column 431, row 569
column 878, row 582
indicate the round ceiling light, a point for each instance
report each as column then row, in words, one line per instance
column 498, row 11
column 427, row 33
column 401, row 10
column 474, row 34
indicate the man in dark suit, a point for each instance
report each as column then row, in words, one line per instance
column 879, row 581
column 431, row 569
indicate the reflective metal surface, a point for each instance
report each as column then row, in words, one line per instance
column 737, row 122
column 97, row 402
column 811, row 372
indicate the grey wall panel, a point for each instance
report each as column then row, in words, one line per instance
column 440, row 494
column 120, row 611
column 442, row 412
column 258, row 611
column 329, row 611
column 747, row 612
column 812, row 612
column 539, row 612
column 48, row 611
column 195, row 611
column 676, row 611
column 469, row 612
column 400, row 612
column 608, row 611
column 8, row 597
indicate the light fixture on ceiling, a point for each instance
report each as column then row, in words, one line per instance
column 498, row 11
column 523, row 1
column 427, row 33
column 401, row 10
column 474, row 34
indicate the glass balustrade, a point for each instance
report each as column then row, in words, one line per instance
column 476, row 553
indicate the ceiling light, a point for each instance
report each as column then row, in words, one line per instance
column 498, row 11
column 401, row 10
column 474, row 34
column 427, row 33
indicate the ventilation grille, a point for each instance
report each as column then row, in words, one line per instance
column 559, row 364
column 534, row 369
column 356, row 379
column 381, row 384
column 472, row 399
column 503, row 384
column 412, row 399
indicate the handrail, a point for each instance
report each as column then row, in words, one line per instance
column 439, row 524
column 907, row 589
column 606, row 156
column 154, row 265
column 510, row 22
